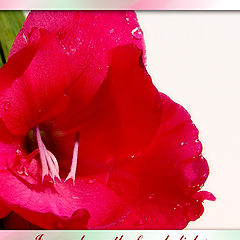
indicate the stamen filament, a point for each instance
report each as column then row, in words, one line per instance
column 42, row 154
column 52, row 169
column 73, row 169
column 55, row 162
column 48, row 161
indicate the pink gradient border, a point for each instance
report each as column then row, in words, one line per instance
column 123, row 4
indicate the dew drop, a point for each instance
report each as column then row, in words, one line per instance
column 90, row 181
column 182, row 144
column 7, row 105
column 196, row 141
column 25, row 38
column 111, row 31
column 59, row 225
column 127, row 19
column 137, row 33
column 65, row 49
column 75, row 197
column 151, row 196
column 18, row 152
column 73, row 50
column 141, row 221
column 133, row 156
column 123, row 218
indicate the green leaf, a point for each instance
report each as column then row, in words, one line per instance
column 10, row 24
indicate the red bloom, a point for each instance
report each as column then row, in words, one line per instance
column 77, row 103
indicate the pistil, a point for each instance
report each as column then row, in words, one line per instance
column 48, row 161
column 73, row 168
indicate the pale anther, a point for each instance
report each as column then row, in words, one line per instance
column 48, row 161
column 73, row 169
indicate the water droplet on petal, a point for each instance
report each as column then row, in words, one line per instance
column 75, row 197
column 25, row 38
column 90, row 181
column 133, row 156
column 182, row 143
column 137, row 33
column 7, row 105
column 111, row 31
column 127, row 19
column 18, row 152
column 141, row 221
column 151, row 196
column 59, row 225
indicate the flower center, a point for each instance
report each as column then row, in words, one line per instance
column 49, row 163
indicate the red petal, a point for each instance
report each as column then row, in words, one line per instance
column 37, row 92
column 86, row 38
column 16, row 66
column 16, row 222
column 60, row 205
column 4, row 210
column 166, row 170
column 129, row 122
column 144, row 143
column 120, row 120
column 73, row 48
column 125, row 106
column 166, row 177
column 8, row 146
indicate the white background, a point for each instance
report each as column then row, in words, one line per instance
column 194, row 57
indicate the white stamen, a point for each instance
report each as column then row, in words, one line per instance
column 42, row 154
column 51, row 166
column 73, row 169
column 54, row 161
column 48, row 161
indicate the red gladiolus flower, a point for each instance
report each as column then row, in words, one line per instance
column 77, row 104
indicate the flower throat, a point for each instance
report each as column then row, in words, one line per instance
column 49, row 163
